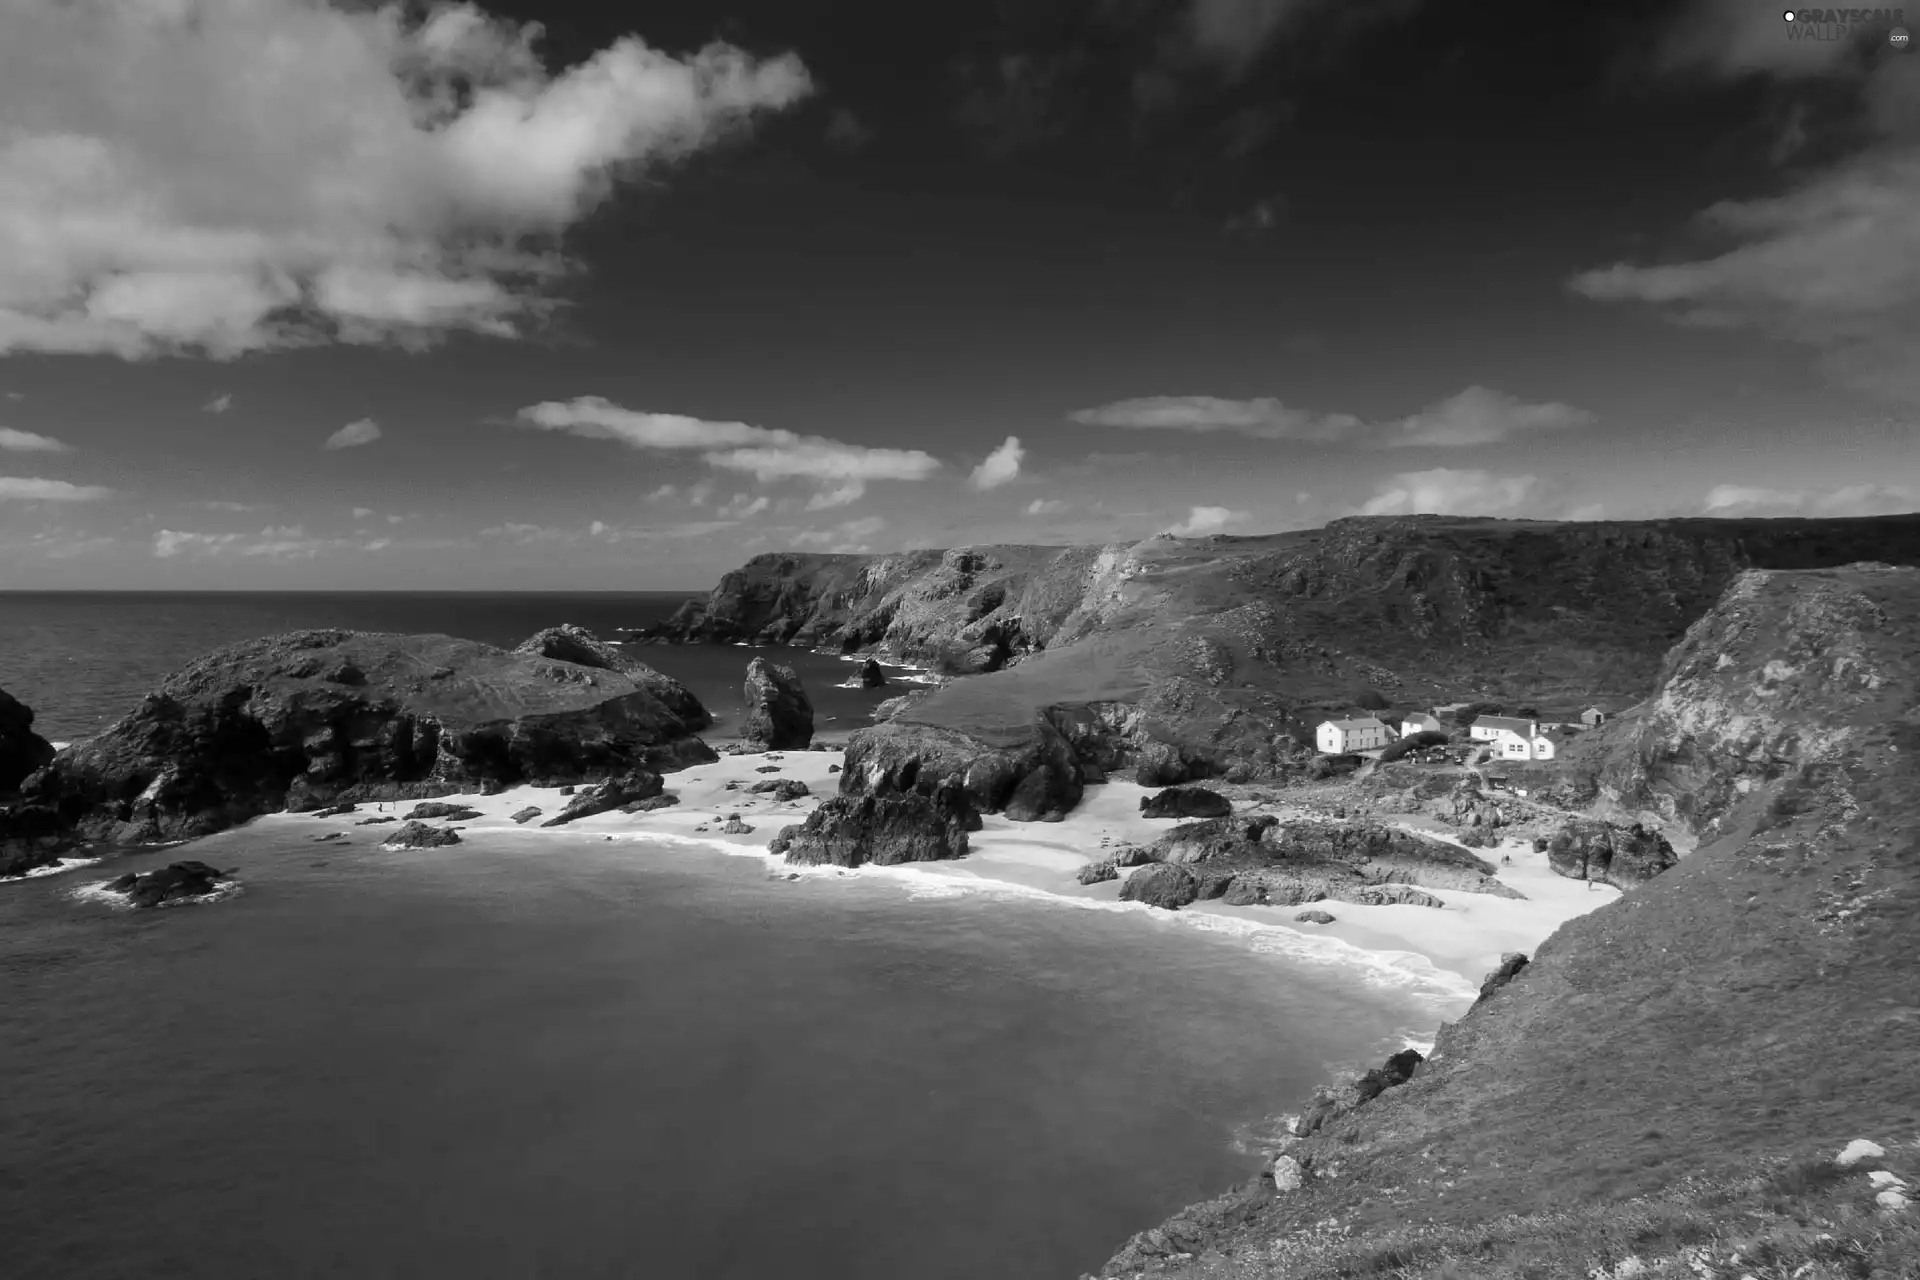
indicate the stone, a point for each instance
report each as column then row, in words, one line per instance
column 1856, row 1151
column 1591, row 849
column 527, row 814
column 767, row 768
column 1097, row 872
column 1511, row 963
column 436, row 809
column 334, row 811
column 1245, row 891
column 663, row 801
column 1891, row 1200
column 1161, row 884
column 779, row 713
column 22, row 751
column 871, row 676
column 374, row 822
column 851, row 831
column 1315, row 917
column 999, row 777
column 1185, row 802
column 781, row 789
column 1287, row 1174
column 418, row 835
column 735, row 827
column 172, row 883
column 611, row 794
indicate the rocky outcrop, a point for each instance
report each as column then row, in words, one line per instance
column 418, row 835
column 526, row 815
column 435, row 809
column 325, row 717
column 1590, row 849
column 780, row 789
column 871, row 676
column 580, row 647
column 779, row 714
column 608, row 795
column 1330, row 1104
column 851, row 831
column 1028, row 772
column 1185, row 802
column 22, row 751
column 1511, row 963
column 176, row 882
column 1314, row 917
column 1161, row 884
column 666, row 800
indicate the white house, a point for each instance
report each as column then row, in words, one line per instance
column 1514, row 739
column 1593, row 717
column 1420, row 722
column 1339, row 737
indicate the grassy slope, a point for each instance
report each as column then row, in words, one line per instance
column 1755, row 1006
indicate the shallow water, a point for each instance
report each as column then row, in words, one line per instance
column 524, row 1057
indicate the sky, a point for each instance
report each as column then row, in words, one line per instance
column 336, row 296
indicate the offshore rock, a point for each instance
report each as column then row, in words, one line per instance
column 871, row 676
column 779, row 713
column 418, row 835
column 22, row 751
column 172, row 883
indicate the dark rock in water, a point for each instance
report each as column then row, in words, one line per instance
column 1510, row 966
column 1161, row 884
column 665, row 800
column 31, row 837
column 582, row 648
column 335, row 810
column 435, row 809
column 369, row 822
column 1315, row 917
column 1097, row 872
column 735, row 827
column 850, row 831
column 1590, row 849
column 172, row 883
column 22, row 751
column 259, row 726
column 1185, row 802
column 527, row 814
column 612, row 794
column 418, row 835
column 782, row 789
column 871, row 676
column 779, row 713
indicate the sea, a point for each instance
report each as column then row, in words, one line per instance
column 523, row 1058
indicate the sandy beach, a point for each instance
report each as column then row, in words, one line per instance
column 1442, row 953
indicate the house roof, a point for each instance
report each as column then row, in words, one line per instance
column 1348, row 726
column 1521, row 727
column 1421, row 718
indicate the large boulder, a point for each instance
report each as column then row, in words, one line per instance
column 1591, row 849
column 1185, row 802
column 1161, row 884
column 21, row 749
column 611, row 794
column 851, row 831
column 172, row 883
column 779, row 713
column 871, row 676
column 418, row 835
column 1029, row 773
column 581, row 647
column 315, row 718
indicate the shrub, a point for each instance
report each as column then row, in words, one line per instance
column 1466, row 715
column 1333, row 766
column 1371, row 700
column 1413, row 742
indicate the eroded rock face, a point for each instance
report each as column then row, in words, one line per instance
column 315, row 718
column 851, row 831
column 173, row 883
column 1161, row 884
column 1590, row 849
column 1029, row 774
column 781, row 789
column 1508, row 969
column 1185, row 802
column 779, row 713
column 21, row 749
column 582, row 648
column 603, row 797
column 436, row 809
column 418, row 835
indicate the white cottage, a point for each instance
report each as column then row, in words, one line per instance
column 1340, row 737
column 1593, row 717
column 1514, row 739
column 1421, row 722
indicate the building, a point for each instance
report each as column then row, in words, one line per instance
column 1447, row 712
column 1421, row 722
column 1593, row 717
column 1340, row 737
column 1514, row 739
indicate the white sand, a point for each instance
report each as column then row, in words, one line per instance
column 1443, row 953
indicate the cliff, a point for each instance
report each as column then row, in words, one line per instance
column 1187, row 659
column 301, row 720
column 1673, row 1071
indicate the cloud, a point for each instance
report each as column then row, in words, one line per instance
column 359, row 432
column 741, row 507
column 1232, row 34
column 1257, row 219
column 1204, row 520
column 1265, row 418
column 224, row 176
column 1000, row 466
column 767, row 454
column 1832, row 263
column 1443, row 491
column 838, row 496
column 1850, row 500
column 1480, row 415
column 33, row 489
column 13, row 441
column 169, row 543
column 847, row 131
column 361, row 513
column 661, row 494
column 227, row 506
column 1048, row 507
column 219, row 404
column 285, row 543
column 848, row 538
column 1477, row 415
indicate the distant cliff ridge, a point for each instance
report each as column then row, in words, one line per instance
column 1196, row 658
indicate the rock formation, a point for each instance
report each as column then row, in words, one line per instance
column 325, row 717
column 779, row 714
column 1185, row 802
column 608, row 795
column 436, row 809
column 582, row 648
column 21, row 749
column 1161, row 884
column 1028, row 772
column 418, row 835
column 1590, row 849
column 871, row 676
column 781, row 789
column 175, row 882
column 851, row 831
